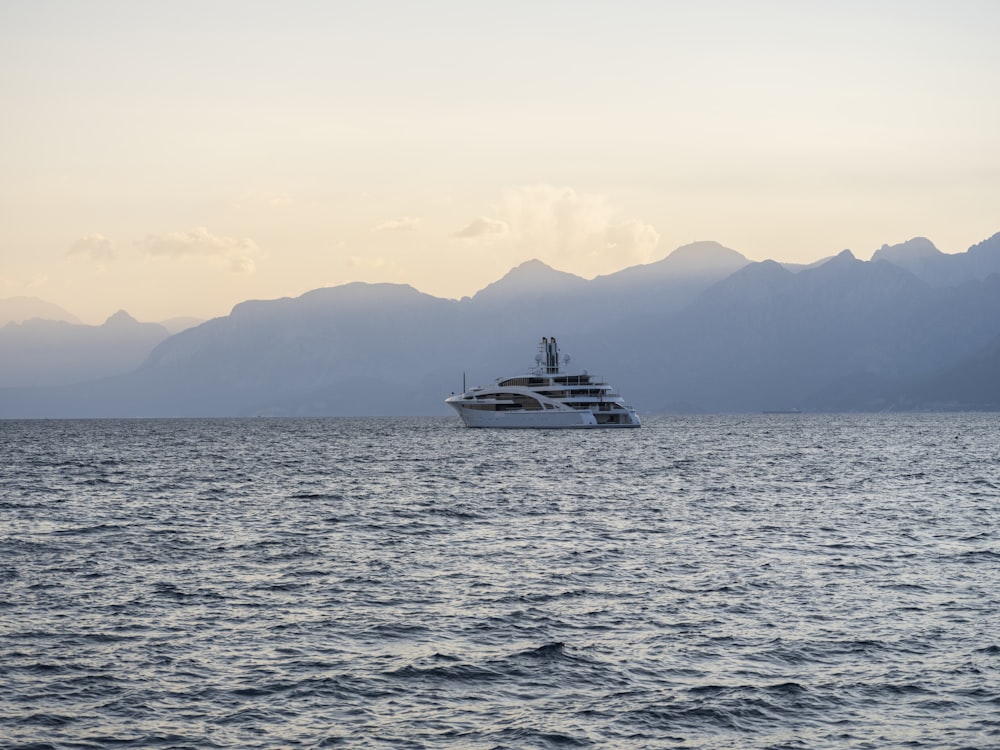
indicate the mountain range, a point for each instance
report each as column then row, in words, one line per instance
column 703, row 330
column 43, row 352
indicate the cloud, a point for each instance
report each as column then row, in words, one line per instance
column 633, row 237
column 95, row 247
column 235, row 254
column 198, row 241
column 400, row 224
column 482, row 228
column 580, row 232
column 242, row 264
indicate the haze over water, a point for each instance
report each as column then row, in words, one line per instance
column 785, row 581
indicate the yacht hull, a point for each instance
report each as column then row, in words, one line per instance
column 543, row 420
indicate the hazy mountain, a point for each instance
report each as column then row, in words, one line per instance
column 20, row 309
column 698, row 260
column 971, row 384
column 51, row 352
column 669, row 284
column 983, row 259
column 534, row 294
column 278, row 352
column 924, row 260
column 768, row 338
column 796, row 267
column 532, row 279
column 840, row 335
column 176, row 325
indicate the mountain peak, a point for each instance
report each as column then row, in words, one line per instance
column 843, row 265
column 765, row 270
column 121, row 318
column 705, row 252
column 534, row 270
column 532, row 276
column 531, row 266
column 705, row 261
column 918, row 247
column 701, row 258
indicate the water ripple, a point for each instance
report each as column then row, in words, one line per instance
column 715, row 582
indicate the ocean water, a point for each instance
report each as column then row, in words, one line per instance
column 771, row 581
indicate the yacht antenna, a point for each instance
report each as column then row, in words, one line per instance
column 463, row 381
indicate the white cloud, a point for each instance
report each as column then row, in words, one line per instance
column 580, row 232
column 400, row 224
column 633, row 237
column 198, row 241
column 94, row 247
column 555, row 219
column 236, row 254
column 482, row 228
column 242, row 264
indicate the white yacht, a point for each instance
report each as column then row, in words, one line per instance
column 548, row 396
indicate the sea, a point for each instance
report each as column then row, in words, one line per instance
column 763, row 581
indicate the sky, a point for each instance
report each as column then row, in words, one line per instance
column 174, row 159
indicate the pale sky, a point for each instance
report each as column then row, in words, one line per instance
column 177, row 158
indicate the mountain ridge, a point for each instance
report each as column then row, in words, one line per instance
column 21, row 309
column 57, row 352
column 758, row 337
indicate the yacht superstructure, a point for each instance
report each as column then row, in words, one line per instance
column 548, row 396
